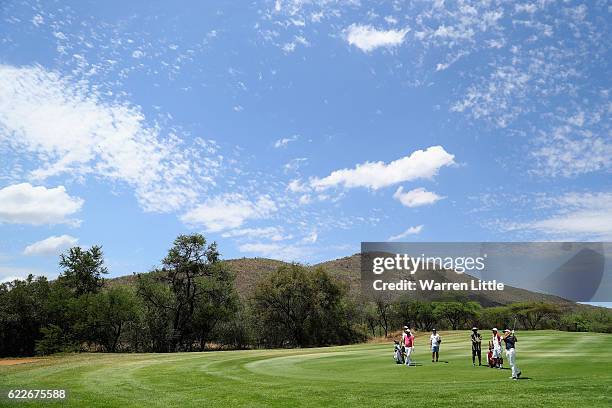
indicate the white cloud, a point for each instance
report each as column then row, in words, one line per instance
column 294, row 164
column 494, row 98
column 67, row 128
column 298, row 40
column 311, row 238
column 50, row 246
column 368, row 38
column 391, row 19
column 410, row 231
column 285, row 141
column 580, row 215
column 271, row 233
column 574, row 216
column 228, row 211
column 375, row 175
column 305, row 199
column 38, row 20
column 416, row 197
column 26, row 204
column 570, row 151
column 296, row 186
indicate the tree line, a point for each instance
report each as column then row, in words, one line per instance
column 190, row 303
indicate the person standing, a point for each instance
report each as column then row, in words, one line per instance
column 408, row 343
column 476, row 346
column 510, row 340
column 434, row 343
column 497, row 349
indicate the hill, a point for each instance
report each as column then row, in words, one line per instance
column 347, row 269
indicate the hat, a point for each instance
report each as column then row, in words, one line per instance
column 433, row 329
column 494, row 329
column 474, row 328
column 507, row 330
column 405, row 327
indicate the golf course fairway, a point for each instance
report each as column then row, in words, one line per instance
column 560, row 369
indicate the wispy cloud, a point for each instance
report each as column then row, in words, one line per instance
column 294, row 164
column 72, row 131
column 577, row 142
column 571, row 216
column 269, row 233
column 410, row 231
column 228, row 211
column 283, row 142
column 368, row 38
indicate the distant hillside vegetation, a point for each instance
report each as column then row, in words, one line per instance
column 250, row 270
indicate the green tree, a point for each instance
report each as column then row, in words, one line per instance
column 83, row 270
column 498, row 316
column 334, row 314
column 191, row 290
column 370, row 316
column 384, row 312
column 110, row 312
column 283, row 304
column 531, row 314
column 23, row 311
column 415, row 313
column 158, row 300
column 457, row 313
column 216, row 302
column 298, row 307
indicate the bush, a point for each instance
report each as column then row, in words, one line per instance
column 594, row 320
column 54, row 340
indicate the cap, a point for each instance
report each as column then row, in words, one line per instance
column 474, row 328
column 433, row 329
column 494, row 329
column 507, row 330
column 405, row 327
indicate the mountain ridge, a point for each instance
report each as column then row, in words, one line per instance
column 348, row 270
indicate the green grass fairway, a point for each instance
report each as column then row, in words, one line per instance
column 561, row 369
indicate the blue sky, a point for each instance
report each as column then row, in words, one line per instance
column 297, row 129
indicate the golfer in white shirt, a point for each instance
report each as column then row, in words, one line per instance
column 434, row 342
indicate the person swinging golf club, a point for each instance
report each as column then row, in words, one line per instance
column 510, row 340
column 408, row 343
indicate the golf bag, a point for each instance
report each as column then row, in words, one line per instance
column 398, row 355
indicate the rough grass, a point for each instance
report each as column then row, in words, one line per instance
column 560, row 369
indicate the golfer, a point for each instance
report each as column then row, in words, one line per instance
column 434, row 343
column 510, row 340
column 476, row 346
column 497, row 348
column 408, row 343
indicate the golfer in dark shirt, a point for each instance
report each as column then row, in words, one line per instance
column 510, row 340
column 476, row 346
